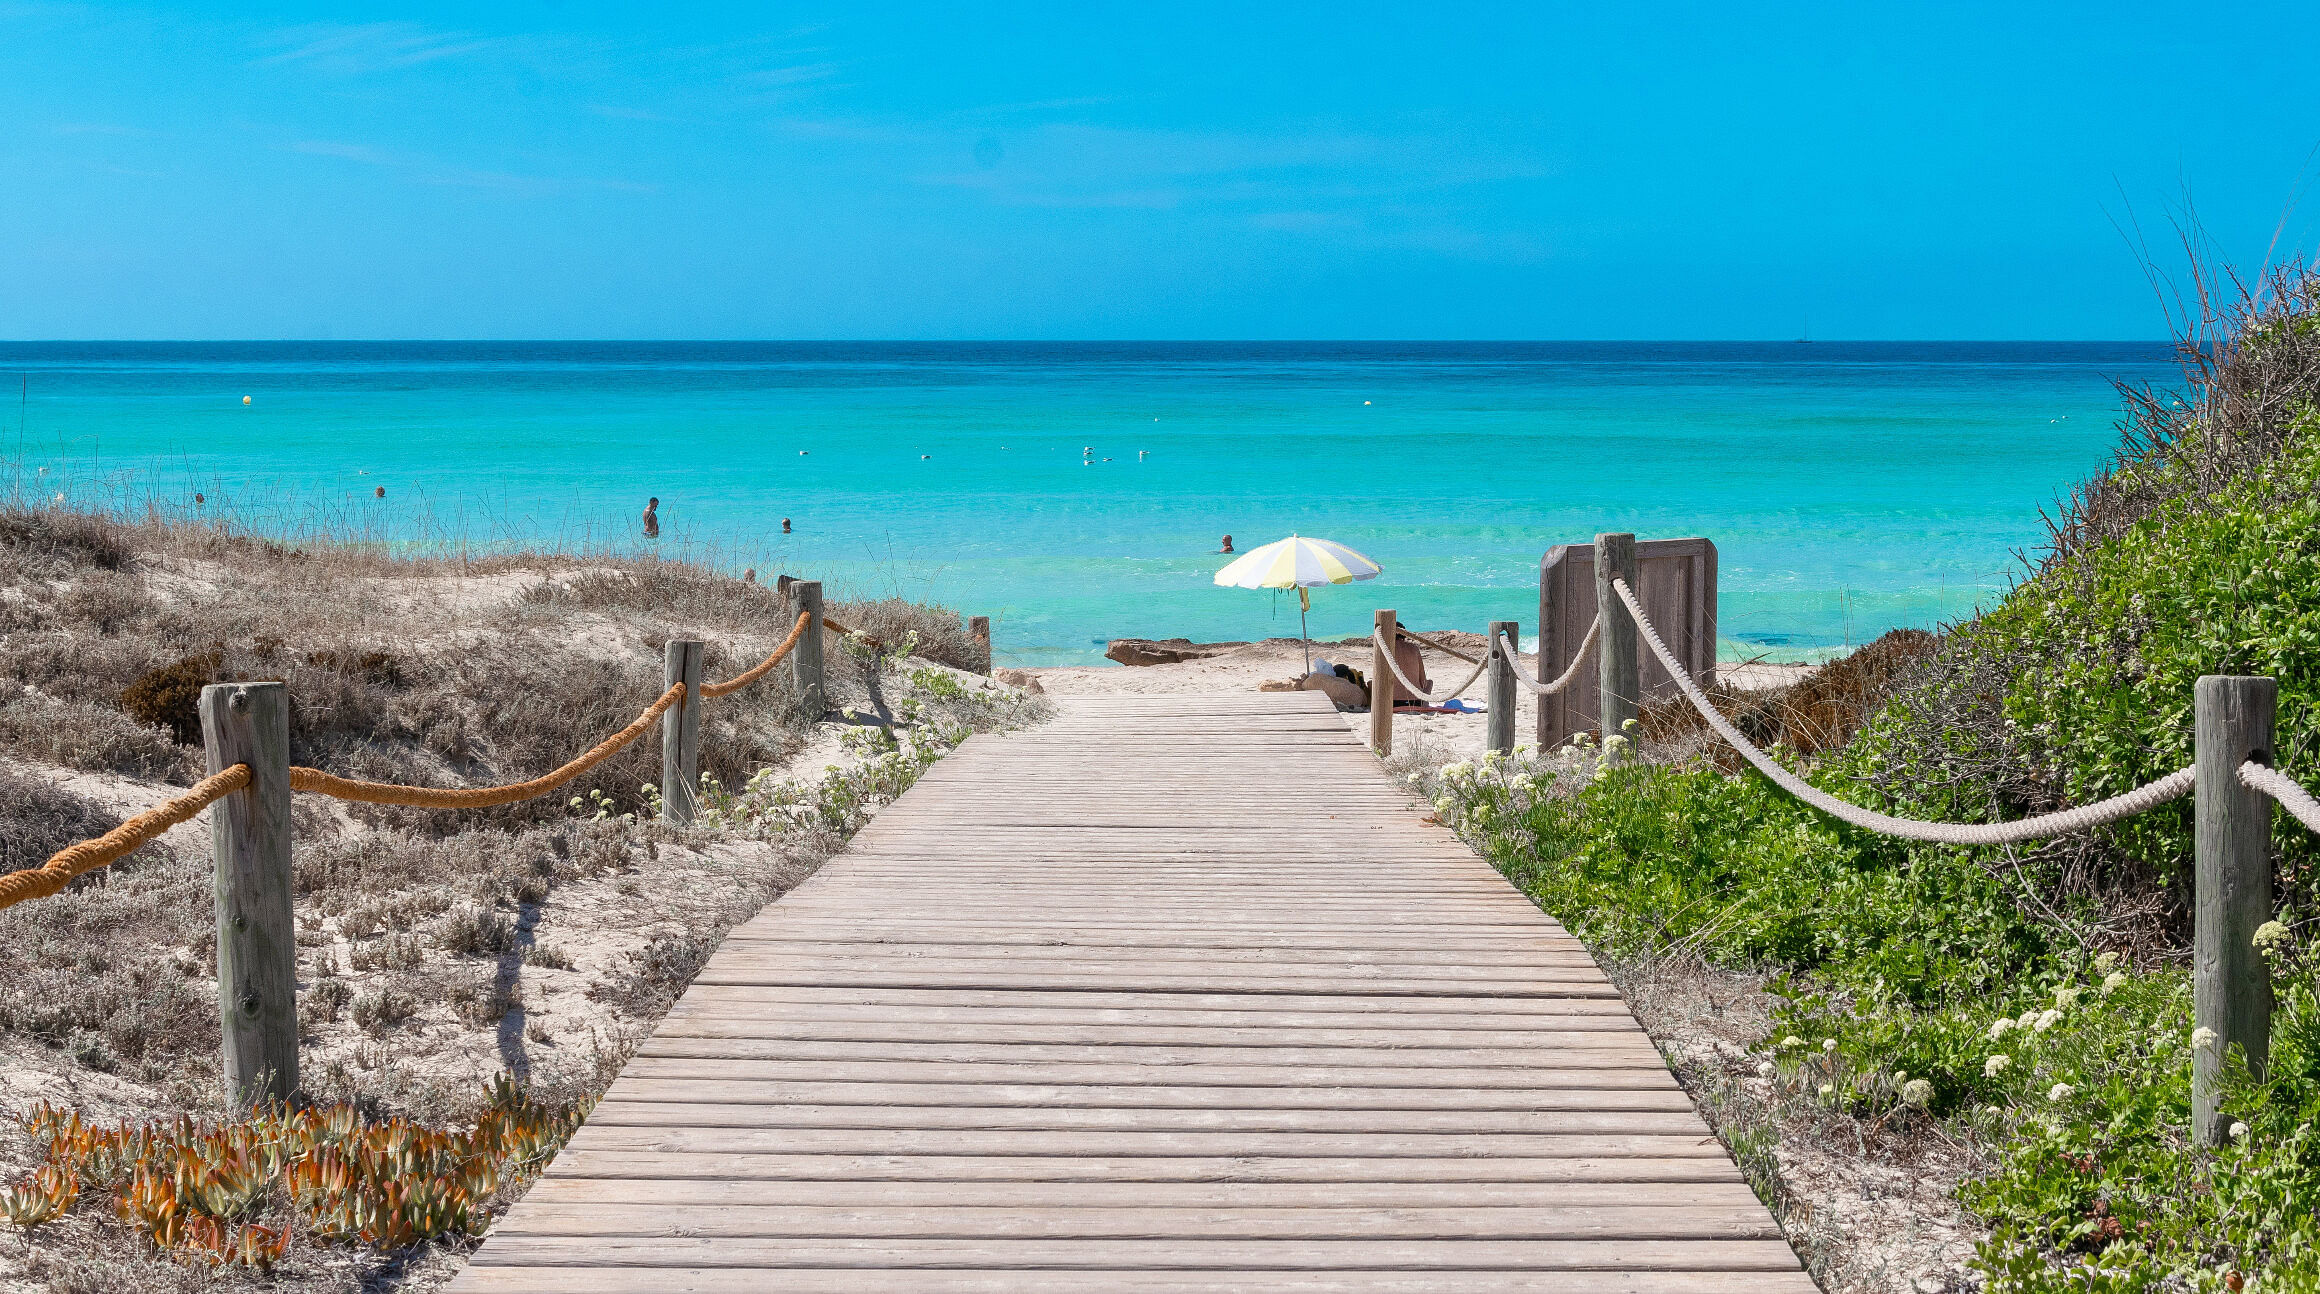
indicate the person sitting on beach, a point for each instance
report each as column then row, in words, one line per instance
column 652, row 518
column 1227, row 545
column 1410, row 661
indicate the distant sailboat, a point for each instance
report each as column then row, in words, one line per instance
column 1806, row 339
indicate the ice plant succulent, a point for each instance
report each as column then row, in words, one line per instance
column 197, row 1189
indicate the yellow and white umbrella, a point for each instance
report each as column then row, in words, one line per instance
column 1297, row 563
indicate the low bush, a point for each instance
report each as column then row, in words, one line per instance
column 170, row 696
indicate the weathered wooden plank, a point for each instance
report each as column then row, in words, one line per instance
column 1735, row 1220
column 519, row 1249
column 1156, row 1194
column 497, row 1279
column 1156, row 1142
column 656, row 1079
column 694, row 1165
column 717, row 1108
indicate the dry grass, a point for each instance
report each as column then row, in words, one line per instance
column 435, row 948
column 438, row 672
column 1817, row 713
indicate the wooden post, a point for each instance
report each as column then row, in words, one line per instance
column 1618, row 670
column 1499, row 723
column 681, row 732
column 1381, row 686
column 806, row 661
column 249, row 723
column 2231, row 987
column 979, row 629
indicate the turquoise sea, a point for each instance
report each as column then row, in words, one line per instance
column 1076, row 492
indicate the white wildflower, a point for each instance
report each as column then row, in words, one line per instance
column 2060, row 1092
column 1454, row 771
column 1917, row 1092
column 2202, row 1037
column 2239, row 1131
column 1999, row 1026
column 1828, row 1044
column 1996, row 1065
column 1627, row 725
column 1765, row 1069
column 2066, row 997
column 2026, row 1019
column 1791, row 1041
column 2270, row 934
column 1828, row 1089
column 2113, row 982
column 2106, row 961
column 1416, row 778
column 2045, row 1020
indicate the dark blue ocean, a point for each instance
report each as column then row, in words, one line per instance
column 1075, row 492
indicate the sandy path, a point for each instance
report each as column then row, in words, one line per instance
column 1442, row 737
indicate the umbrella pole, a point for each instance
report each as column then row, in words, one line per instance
column 1302, row 636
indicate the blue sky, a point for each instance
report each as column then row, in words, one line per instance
column 1105, row 171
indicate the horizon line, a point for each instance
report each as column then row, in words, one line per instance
column 1087, row 341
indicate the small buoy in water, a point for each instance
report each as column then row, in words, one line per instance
column 1107, row 460
column 245, row 399
column 197, row 499
column 1142, row 454
column 1365, row 402
column 923, row 457
column 801, row 453
column 1087, row 449
column 379, row 493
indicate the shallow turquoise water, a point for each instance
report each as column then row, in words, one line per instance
column 1849, row 488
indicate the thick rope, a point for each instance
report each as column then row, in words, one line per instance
column 1586, row 646
column 2283, row 788
column 89, row 855
column 2173, row 786
column 478, row 797
column 1377, row 640
column 763, row 667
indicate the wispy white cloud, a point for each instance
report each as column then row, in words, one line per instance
column 798, row 74
column 1075, row 164
column 416, row 169
column 99, row 128
column 358, row 48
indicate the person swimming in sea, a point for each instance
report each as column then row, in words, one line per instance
column 1227, row 545
column 785, row 525
column 652, row 518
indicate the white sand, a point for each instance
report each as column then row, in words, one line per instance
column 1441, row 737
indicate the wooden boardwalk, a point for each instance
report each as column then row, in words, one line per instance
column 1167, row 993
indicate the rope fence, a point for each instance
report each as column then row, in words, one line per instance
column 2171, row 787
column 246, row 727
column 89, row 855
column 1578, row 658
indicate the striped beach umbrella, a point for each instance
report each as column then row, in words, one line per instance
column 1298, row 563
